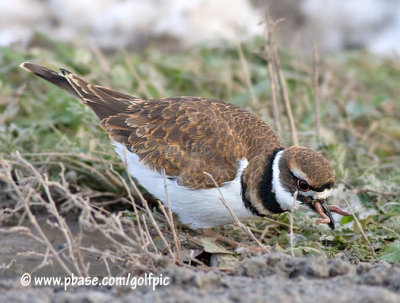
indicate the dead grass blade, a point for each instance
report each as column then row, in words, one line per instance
column 235, row 218
column 293, row 210
column 247, row 75
column 277, row 70
column 272, row 77
column 147, row 208
column 361, row 229
column 317, row 95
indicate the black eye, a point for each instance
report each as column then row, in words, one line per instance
column 302, row 185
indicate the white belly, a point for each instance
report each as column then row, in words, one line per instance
column 201, row 208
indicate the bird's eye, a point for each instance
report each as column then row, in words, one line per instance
column 302, row 185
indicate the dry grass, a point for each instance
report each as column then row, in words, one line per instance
column 35, row 190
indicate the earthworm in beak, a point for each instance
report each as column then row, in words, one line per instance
column 322, row 209
column 337, row 209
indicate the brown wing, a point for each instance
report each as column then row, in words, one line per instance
column 189, row 135
column 184, row 135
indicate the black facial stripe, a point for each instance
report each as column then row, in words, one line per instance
column 316, row 189
column 268, row 198
column 323, row 187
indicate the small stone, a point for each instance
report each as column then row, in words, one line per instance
column 224, row 261
column 338, row 267
column 316, row 267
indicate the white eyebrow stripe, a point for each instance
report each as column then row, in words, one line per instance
column 298, row 174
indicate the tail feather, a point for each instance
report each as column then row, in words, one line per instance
column 103, row 101
column 50, row 76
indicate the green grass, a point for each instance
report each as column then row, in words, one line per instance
column 360, row 117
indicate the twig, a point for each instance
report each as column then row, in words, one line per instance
column 285, row 94
column 148, row 234
column 391, row 230
column 317, row 95
column 171, row 221
column 266, row 229
column 127, row 248
column 275, row 57
column 44, row 262
column 234, row 217
column 133, row 203
column 361, row 229
column 107, row 266
column 61, row 224
column 23, row 230
column 43, row 235
column 105, row 66
column 279, row 222
column 81, row 156
column 221, row 238
column 272, row 76
column 247, row 76
column 146, row 205
column 132, row 69
column 291, row 221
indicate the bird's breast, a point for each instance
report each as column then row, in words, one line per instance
column 198, row 208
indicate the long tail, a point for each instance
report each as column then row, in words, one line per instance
column 103, row 101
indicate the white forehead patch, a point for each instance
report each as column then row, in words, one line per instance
column 322, row 195
column 317, row 195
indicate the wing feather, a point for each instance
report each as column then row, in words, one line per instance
column 186, row 136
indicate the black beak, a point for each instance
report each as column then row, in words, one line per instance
column 328, row 213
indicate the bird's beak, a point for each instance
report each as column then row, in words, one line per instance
column 327, row 212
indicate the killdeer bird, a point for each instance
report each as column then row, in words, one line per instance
column 187, row 136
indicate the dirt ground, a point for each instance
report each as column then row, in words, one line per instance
column 264, row 278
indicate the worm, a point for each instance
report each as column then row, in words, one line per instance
column 338, row 210
column 320, row 211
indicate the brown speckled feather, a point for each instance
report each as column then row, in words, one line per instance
column 186, row 136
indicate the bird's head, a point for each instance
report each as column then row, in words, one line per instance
column 306, row 174
column 290, row 176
